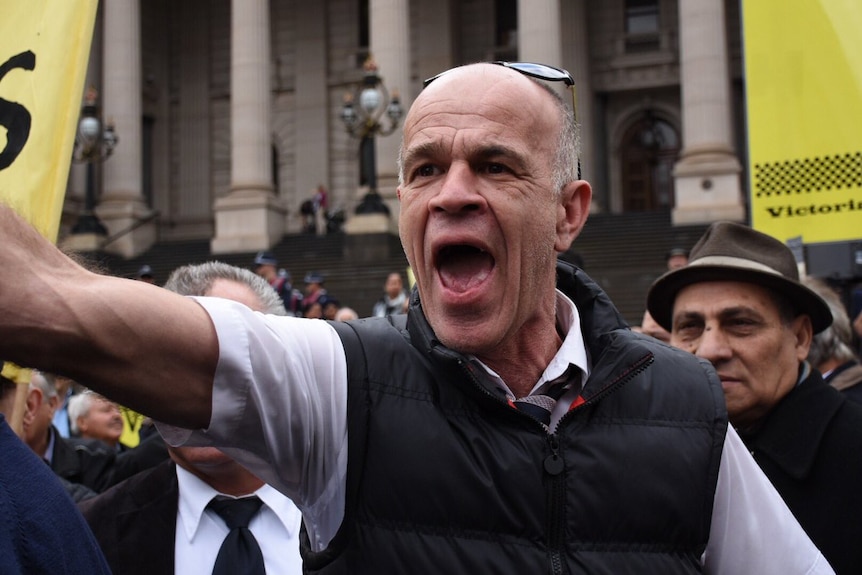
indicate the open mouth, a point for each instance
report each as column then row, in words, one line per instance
column 462, row 267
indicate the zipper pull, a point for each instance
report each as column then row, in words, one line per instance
column 554, row 463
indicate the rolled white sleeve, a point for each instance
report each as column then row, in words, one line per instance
column 752, row 529
column 280, row 408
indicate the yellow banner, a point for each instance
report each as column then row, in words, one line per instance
column 803, row 75
column 44, row 46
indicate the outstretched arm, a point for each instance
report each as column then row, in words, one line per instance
column 136, row 343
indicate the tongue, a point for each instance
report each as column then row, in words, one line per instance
column 465, row 270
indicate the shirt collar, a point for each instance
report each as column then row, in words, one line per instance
column 195, row 495
column 49, row 450
column 573, row 351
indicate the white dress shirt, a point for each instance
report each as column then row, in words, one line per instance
column 200, row 531
column 296, row 368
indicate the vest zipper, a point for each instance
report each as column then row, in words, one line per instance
column 555, row 465
column 556, row 503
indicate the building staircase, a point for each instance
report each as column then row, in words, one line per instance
column 624, row 253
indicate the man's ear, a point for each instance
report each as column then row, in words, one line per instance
column 572, row 212
column 804, row 334
column 34, row 400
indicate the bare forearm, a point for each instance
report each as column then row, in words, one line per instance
column 138, row 344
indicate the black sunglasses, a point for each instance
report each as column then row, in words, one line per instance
column 534, row 70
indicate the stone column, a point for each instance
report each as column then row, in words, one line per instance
column 122, row 203
column 578, row 53
column 390, row 47
column 707, row 175
column 250, row 217
column 433, row 40
column 539, row 32
column 313, row 113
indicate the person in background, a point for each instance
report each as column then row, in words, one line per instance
column 650, row 327
column 514, row 424
column 832, row 349
column 266, row 266
column 41, row 531
column 86, row 470
column 145, row 274
column 676, row 258
column 314, row 310
column 346, row 314
column 394, row 299
column 96, row 420
column 740, row 305
column 65, row 390
column 166, row 524
column 329, row 306
column 314, row 289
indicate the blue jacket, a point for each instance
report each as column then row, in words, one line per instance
column 41, row 530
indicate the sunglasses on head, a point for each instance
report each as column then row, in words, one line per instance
column 539, row 71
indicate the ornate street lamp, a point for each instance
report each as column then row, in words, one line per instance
column 364, row 122
column 92, row 145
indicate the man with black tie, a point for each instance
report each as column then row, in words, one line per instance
column 201, row 512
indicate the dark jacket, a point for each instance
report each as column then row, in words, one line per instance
column 135, row 522
column 846, row 379
column 99, row 469
column 809, row 446
column 40, row 529
column 446, row 477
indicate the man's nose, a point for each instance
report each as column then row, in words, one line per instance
column 458, row 191
column 713, row 345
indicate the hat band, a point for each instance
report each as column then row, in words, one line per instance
column 729, row 261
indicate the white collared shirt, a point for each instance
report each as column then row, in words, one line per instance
column 573, row 351
column 200, row 531
column 294, row 366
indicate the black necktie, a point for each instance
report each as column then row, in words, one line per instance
column 540, row 405
column 239, row 553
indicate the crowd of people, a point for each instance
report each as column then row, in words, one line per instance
column 501, row 418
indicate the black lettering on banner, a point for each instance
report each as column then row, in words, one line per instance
column 790, row 211
column 14, row 116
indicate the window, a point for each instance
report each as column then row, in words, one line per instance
column 641, row 26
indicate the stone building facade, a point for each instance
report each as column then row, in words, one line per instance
column 228, row 111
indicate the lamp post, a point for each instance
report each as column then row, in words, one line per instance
column 92, row 145
column 364, row 122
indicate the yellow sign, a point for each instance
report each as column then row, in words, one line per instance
column 44, row 46
column 803, row 76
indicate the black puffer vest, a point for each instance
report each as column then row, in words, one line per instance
column 446, row 478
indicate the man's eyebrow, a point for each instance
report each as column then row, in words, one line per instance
column 688, row 315
column 423, row 151
column 736, row 311
column 498, row 151
column 431, row 150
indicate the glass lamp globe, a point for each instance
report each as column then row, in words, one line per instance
column 369, row 99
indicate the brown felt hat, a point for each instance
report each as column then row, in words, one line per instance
column 734, row 252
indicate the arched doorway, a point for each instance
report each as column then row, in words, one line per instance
column 649, row 151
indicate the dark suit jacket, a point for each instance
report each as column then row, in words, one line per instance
column 135, row 522
column 99, row 469
column 809, row 446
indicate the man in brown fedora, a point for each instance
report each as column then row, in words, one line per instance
column 740, row 305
